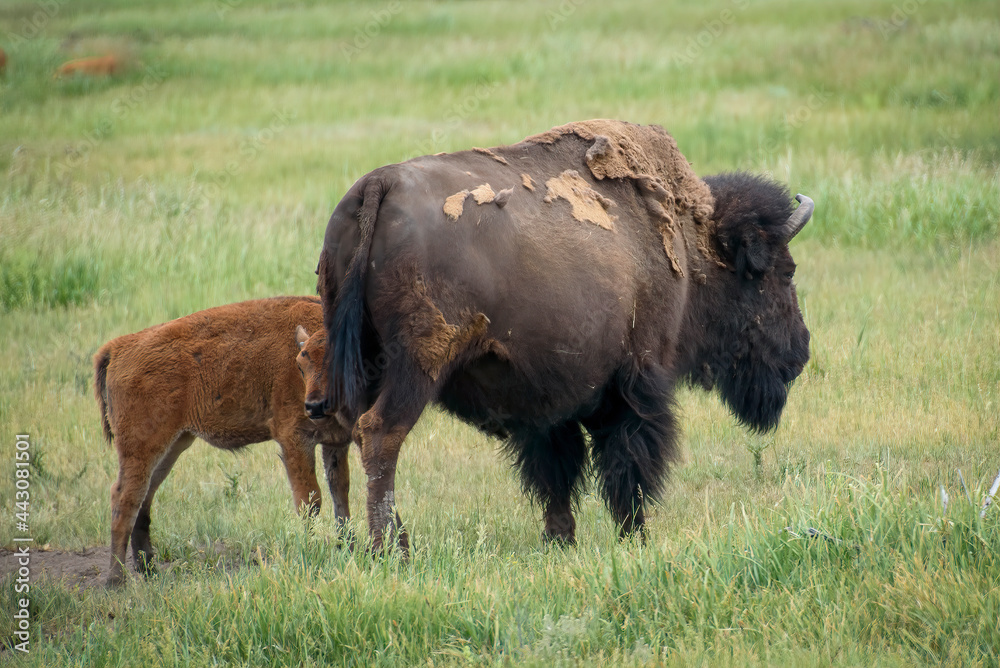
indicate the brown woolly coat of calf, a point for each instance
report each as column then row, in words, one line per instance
column 227, row 375
column 99, row 66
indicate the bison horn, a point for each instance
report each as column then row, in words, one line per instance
column 799, row 217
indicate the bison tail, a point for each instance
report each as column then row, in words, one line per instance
column 101, row 361
column 344, row 328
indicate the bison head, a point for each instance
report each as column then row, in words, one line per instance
column 744, row 334
column 310, row 362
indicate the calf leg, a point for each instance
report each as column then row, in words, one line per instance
column 137, row 459
column 300, row 464
column 552, row 465
column 634, row 440
column 338, row 477
column 142, row 546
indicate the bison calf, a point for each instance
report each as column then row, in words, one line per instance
column 226, row 375
column 99, row 66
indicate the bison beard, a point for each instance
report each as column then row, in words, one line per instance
column 577, row 304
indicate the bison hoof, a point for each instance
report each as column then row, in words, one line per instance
column 637, row 532
column 559, row 539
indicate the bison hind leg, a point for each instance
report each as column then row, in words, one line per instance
column 552, row 463
column 634, row 440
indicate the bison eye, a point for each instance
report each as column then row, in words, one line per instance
column 790, row 274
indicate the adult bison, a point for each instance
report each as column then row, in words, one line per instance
column 561, row 284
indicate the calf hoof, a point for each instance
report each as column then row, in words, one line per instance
column 114, row 581
column 144, row 564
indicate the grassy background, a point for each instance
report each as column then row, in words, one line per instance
column 205, row 175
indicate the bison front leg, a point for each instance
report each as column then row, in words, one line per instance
column 634, row 440
column 552, row 465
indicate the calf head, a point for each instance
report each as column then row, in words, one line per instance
column 745, row 334
column 312, row 350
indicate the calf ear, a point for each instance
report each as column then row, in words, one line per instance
column 301, row 336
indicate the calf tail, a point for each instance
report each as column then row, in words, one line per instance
column 101, row 361
column 346, row 386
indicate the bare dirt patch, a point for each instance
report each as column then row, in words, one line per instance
column 84, row 568
column 88, row 567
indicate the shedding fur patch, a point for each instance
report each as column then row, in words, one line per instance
column 664, row 221
column 454, row 205
column 430, row 338
column 588, row 204
column 527, row 182
column 648, row 155
column 483, row 194
column 485, row 151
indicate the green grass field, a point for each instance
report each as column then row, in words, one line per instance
column 205, row 174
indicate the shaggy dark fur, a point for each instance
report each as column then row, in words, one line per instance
column 634, row 441
column 750, row 345
column 551, row 462
column 749, row 208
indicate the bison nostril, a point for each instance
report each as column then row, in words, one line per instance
column 314, row 409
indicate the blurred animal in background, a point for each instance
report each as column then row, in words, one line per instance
column 108, row 65
column 227, row 375
column 3, row 62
